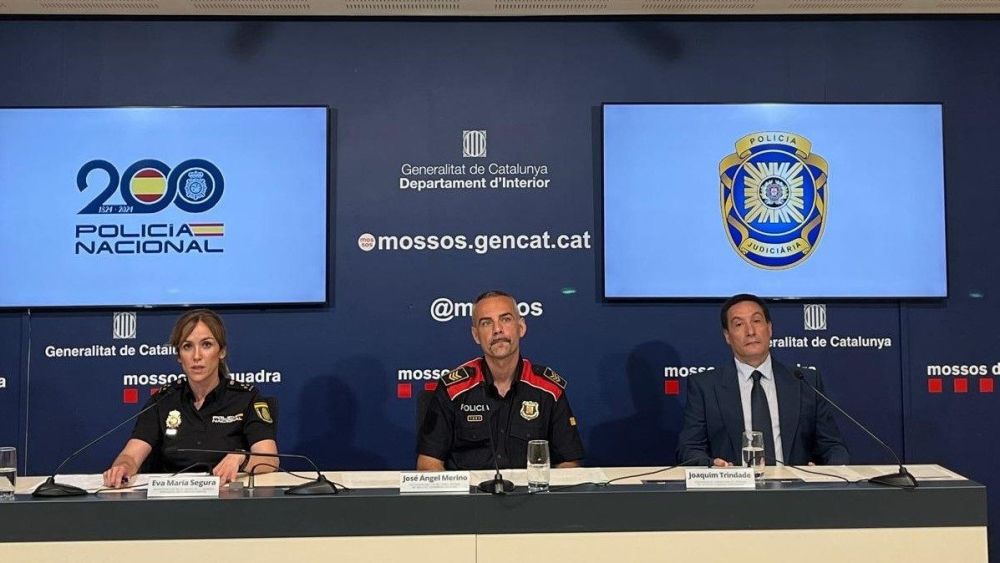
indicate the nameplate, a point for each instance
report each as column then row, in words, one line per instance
column 165, row 487
column 719, row 478
column 434, row 482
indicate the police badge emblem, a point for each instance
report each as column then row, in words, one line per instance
column 195, row 185
column 774, row 199
column 263, row 412
column 173, row 422
column 529, row 410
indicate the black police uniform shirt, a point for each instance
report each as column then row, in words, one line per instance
column 466, row 408
column 232, row 417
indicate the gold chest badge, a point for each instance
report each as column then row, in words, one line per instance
column 173, row 422
column 529, row 410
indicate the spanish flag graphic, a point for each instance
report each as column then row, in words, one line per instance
column 208, row 229
column 148, row 185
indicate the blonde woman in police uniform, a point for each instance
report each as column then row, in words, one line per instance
column 205, row 410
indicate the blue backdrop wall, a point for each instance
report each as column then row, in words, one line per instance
column 921, row 375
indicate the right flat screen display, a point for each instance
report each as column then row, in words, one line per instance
column 781, row 200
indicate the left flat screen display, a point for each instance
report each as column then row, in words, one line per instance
column 163, row 206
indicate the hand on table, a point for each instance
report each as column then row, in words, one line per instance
column 229, row 467
column 117, row 476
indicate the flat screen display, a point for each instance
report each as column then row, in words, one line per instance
column 163, row 206
column 781, row 200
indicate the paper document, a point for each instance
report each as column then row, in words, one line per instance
column 95, row 482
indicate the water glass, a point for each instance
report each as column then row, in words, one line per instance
column 8, row 472
column 753, row 452
column 538, row 466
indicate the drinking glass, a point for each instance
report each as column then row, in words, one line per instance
column 538, row 466
column 8, row 472
column 753, row 452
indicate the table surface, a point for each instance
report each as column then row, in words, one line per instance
column 579, row 502
column 562, row 477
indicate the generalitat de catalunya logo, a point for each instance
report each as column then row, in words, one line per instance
column 774, row 197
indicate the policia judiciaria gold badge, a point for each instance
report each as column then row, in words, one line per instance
column 774, row 196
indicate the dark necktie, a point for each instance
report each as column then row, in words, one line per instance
column 760, row 417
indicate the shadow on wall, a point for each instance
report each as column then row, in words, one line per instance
column 649, row 435
column 330, row 411
column 657, row 39
column 250, row 39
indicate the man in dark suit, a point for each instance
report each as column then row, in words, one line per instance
column 755, row 392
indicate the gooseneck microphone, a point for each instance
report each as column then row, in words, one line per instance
column 50, row 488
column 318, row 486
column 901, row 478
column 497, row 485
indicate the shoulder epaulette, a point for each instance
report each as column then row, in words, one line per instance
column 461, row 379
column 544, row 378
column 179, row 382
column 240, row 386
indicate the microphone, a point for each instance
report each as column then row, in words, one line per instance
column 497, row 485
column 901, row 478
column 319, row 486
column 51, row 489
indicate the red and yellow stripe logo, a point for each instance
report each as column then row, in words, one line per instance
column 208, row 229
column 148, row 185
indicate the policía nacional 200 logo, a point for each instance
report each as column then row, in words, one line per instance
column 145, row 188
column 774, row 197
column 149, row 186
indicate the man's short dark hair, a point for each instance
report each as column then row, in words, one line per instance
column 740, row 298
column 493, row 293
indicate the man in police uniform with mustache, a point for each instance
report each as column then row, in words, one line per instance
column 500, row 399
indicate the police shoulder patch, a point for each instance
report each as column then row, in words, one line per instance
column 544, row 378
column 554, row 377
column 463, row 373
column 240, row 386
column 263, row 412
column 551, row 375
column 461, row 379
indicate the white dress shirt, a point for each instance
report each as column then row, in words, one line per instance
column 745, row 376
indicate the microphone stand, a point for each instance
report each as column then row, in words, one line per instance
column 51, row 489
column 318, row 486
column 497, row 485
column 902, row 477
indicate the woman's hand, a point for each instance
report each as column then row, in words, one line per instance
column 117, row 476
column 229, row 467
column 127, row 463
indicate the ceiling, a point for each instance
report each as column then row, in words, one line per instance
column 492, row 8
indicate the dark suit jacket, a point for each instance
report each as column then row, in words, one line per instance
column 713, row 419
